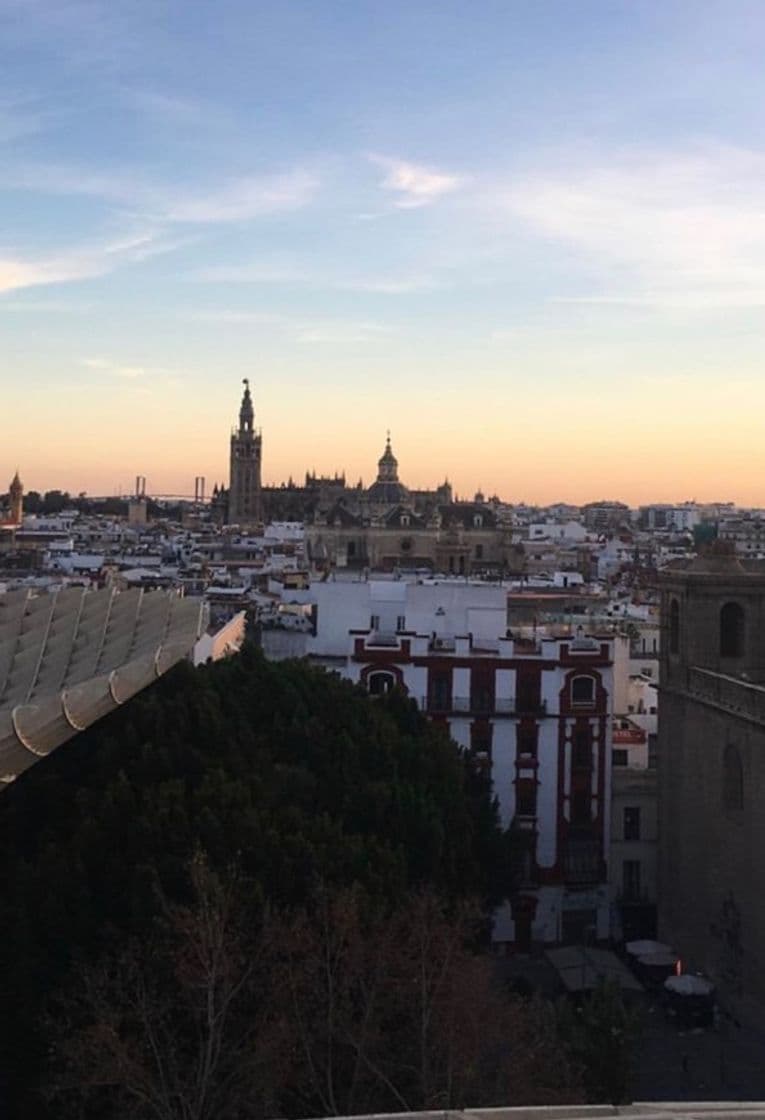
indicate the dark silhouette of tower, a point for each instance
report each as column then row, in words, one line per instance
column 245, row 503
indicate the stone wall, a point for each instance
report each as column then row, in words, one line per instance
column 712, row 783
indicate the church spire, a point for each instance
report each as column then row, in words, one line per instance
column 246, row 412
column 387, row 464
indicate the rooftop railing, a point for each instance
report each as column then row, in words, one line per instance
column 741, row 698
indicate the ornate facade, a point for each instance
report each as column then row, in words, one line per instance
column 389, row 527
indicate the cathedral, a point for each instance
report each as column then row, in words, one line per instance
column 385, row 526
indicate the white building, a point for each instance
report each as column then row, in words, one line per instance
column 536, row 714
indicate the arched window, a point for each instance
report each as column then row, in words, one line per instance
column 674, row 626
column 583, row 690
column 733, row 779
column 380, row 683
column 731, row 630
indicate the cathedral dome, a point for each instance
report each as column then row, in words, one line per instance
column 388, row 493
column 387, row 464
column 387, row 489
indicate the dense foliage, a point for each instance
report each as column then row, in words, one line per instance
column 285, row 773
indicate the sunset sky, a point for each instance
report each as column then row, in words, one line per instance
column 526, row 236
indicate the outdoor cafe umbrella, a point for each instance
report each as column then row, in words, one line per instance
column 659, row 959
column 689, row 985
column 642, row 948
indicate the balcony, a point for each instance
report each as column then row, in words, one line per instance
column 530, row 707
column 469, row 706
column 582, row 861
column 382, row 639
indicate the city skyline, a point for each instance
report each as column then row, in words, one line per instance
column 529, row 242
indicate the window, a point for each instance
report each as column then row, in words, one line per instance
column 401, row 622
column 580, row 807
column 480, row 739
column 527, row 741
column 632, row 823
column 733, row 778
column 731, row 630
column 482, row 692
column 374, row 622
column 479, row 552
column 581, row 750
column 582, row 690
column 480, row 736
column 526, row 797
column 631, row 878
column 674, row 626
column 440, row 691
column 381, row 683
column 619, row 757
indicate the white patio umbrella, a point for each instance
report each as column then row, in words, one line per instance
column 641, row 948
column 659, row 959
column 689, row 985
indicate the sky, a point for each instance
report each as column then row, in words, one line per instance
column 526, row 236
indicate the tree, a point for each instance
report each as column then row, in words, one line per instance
column 170, row 1027
column 285, row 771
column 398, row 1011
column 601, row 1035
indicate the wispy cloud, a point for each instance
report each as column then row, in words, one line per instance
column 241, row 199
column 300, row 330
column 677, row 231
column 103, row 365
column 340, row 333
column 19, row 116
column 414, row 185
column 34, row 306
column 79, row 263
column 175, row 111
column 295, row 274
column 241, row 318
column 143, row 378
column 395, row 285
column 236, row 199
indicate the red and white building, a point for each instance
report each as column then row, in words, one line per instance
column 534, row 710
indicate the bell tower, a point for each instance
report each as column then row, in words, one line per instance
column 16, row 496
column 245, row 505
